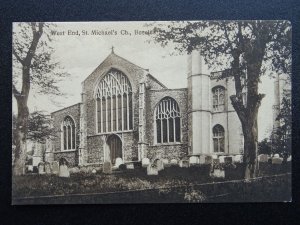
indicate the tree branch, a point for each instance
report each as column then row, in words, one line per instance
column 17, row 56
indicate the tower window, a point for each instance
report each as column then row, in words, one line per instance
column 218, row 138
column 218, row 99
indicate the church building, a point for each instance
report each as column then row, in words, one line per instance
column 127, row 113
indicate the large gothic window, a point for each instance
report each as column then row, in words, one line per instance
column 218, row 99
column 167, row 121
column 114, row 103
column 68, row 134
column 218, row 138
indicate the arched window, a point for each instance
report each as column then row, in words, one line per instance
column 69, row 134
column 218, row 99
column 167, row 121
column 114, row 103
column 218, row 138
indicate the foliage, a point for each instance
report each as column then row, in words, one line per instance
column 282, row 136
column 265, row 146
column 45, row 72
column 39, row 127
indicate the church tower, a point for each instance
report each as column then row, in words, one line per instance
column 199, row 112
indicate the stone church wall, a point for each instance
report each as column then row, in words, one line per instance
column 58, row 118
column 177, row 151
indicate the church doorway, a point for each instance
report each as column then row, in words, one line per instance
column 115, row 147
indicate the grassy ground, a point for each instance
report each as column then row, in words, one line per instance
column 171, row 185
column 40, row 185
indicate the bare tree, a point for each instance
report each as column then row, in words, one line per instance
column 33, row 66
column 241, row 50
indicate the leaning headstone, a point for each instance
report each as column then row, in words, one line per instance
column 184, row 163
column 238, row 158
column 174, row 162
column 152, row 170
column 63, row 171
column 119, row 161
column 277, row 160
column 107, row 167
column 262, row 158
column 289, row 159
column 159, row 164
column 145, row 162
column 55, row 167
column 130, row 166
column 194, row 160
column 41, row 168
column 47, row 168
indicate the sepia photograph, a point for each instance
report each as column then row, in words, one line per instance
column 151, row 112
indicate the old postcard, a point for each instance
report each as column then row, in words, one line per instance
column 151, row 112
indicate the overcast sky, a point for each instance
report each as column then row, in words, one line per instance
column 80, row 55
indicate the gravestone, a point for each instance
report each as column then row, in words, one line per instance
column 262, row 158
column 63, row 171
column 222, row 159
column 74, row 170
column 130, row 166
column 145, row 162
column 47, row 168
column 194, row 160
column 276, row 156
column 152, row 170
column 219, row 173
column 277, row 160
column 30, row 168
column 119, row 161
column 166, row 162
column 214, row 156
column 107, row 167
column 183, row 163
column 202, row 159
column 205, row 159
column 174, row 162
column 238, row 158
column 41, row 168
column 94, row 171
column 55, row 167
column 159, row 164
column 289, row 159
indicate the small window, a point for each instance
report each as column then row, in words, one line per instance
column 218, row 138
column 69, row 134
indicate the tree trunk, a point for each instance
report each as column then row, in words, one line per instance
column 250, row 146
column 21, row 136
